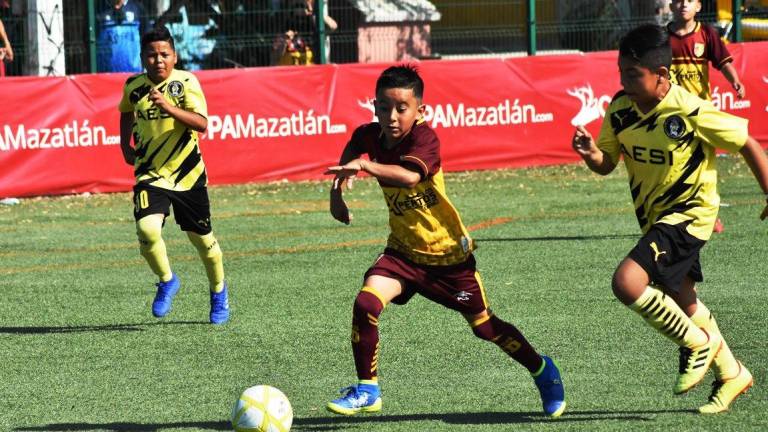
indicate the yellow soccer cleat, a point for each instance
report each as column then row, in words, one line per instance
column 694, row 363
column 724, row 392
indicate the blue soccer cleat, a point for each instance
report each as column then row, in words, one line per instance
column 164, row 297
column 550, row 388
column 355, row 399
column 220, row 306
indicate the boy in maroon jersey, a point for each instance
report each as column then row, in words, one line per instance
column 694, row 46
column 429, row 250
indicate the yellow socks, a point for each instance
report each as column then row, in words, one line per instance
column 152, row 247
column 726, row 366
column 663, row 314
column 211, row 255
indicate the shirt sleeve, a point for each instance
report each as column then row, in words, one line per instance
column 125, row 105
column 717, row 52
column 357, row 143
column 720, row 129
column 194, row 99
column 424, row 154
column 607, row 140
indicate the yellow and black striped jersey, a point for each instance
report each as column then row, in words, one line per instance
column 167, row 151
column 669, row 154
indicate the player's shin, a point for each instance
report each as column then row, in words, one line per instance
column 152, row 246
column 725, row 364
column 365, row 333
column 697, row 347
column 663, row 314
column 210, row 253
column 509, row 339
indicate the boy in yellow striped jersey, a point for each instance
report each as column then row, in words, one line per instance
column 428, row 252
column 163, row 110
column 667, row 137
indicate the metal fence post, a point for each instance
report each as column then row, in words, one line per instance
column 737, row 14
column 320, row 20
column 92, row 34
column 531, row 24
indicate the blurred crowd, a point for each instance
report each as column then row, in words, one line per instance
column 210, row 33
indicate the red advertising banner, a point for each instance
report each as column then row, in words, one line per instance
column 61, row 135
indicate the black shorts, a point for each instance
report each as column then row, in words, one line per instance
column 668, row 253
column 191, row 208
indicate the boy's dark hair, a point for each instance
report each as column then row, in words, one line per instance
column 649, row 45
column 157, row 34
column 403, row 76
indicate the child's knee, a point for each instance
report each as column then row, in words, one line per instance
column 148, row 231
column 367, row 303
column 486, row 330
column 625, row 288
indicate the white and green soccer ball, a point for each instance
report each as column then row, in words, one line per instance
column 262, row 408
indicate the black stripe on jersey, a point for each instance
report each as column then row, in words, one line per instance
column 694, row 113
column 183, row 141
column 649, row 122
column 138, row 93
column 634, row 190
column 685, row 139
column 201, row 181
column 681, row 207
column 640, row 214
column 144, row 167
column 190, row 162
column 141, row 148
column 623, row 118
column 132, row 78
column 680, row 186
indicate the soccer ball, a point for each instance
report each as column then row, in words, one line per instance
column 262, row 408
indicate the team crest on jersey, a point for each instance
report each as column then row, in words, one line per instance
column 674, row 127
column 698, row 49
column 175, row 88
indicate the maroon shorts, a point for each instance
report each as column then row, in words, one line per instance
column 457, row 286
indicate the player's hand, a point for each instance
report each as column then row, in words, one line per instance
column 157, row 98
column 346, row 172
column 582, row 142
column 740, row 90
column 339, row 209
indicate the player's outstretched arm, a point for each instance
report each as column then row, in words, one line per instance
column 338, row 207
column 190, row 119
column 755, row 157
column 729, row 72
column 126, row 133
column 585, row 146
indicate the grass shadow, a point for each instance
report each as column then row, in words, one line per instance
column 558, row 238
column 329, row 423
column 129, row 427
column 484, row 418
column 92, row 328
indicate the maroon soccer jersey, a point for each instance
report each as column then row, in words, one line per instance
column 425, row 226
column 691, row 55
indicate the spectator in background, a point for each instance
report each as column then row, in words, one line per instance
column 196, row 27
column 121, row 24
column 6, row 52
column 294, row 46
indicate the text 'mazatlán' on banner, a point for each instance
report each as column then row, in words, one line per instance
column 61, row 135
